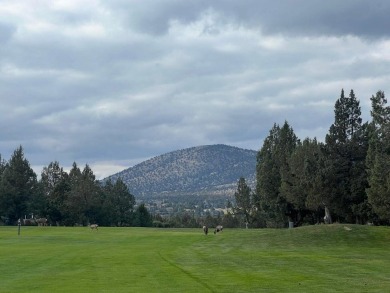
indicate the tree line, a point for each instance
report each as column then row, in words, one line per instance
column 347, row 175
column 74, row 198
column 77, row 198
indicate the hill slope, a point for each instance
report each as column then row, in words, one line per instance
column 202, row 170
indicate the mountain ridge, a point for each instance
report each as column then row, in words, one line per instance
column 200, row 170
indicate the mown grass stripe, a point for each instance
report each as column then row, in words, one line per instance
column 306, row 259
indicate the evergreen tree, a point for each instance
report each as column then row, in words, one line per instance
column 84, row 197
column 73, row 203
column 125, row 202
column 51, row 176
column 378, row 158
column 272, row 161
column 380, row 114
column 142, row 217
column 345, row 152
column 118, row 203
column 38, row 203
column 379, row 191
column 318, row 180
column 2, row 166
column 267, row 180
column 55, row 185
column 18, row 185
column 299, row 182
column 3, row 218
column 244, row 202
column 108, row 216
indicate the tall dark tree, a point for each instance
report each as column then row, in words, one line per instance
column 299, row 182
column 267, row 180
column 73, row 204
column 380, row 114
column 84, row 197
column 272, row 161
column 142, row 217
column 378, row 158
column 55, row 185
column 108, row 216
column 90, row 192
column 118, row 203
column 124, row 203
column 244, row 201
column 345, row 151
column 379, row 190
column 18, row 186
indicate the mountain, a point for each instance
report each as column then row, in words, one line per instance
column 209, row 170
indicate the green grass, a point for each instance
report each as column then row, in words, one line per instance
column 307, row 259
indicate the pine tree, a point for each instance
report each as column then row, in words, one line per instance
column 17, row 187
column 90, row 192
column 84, row 197
column 124, row 203
column 378, row 158
column 379, row 191
column 272, row 161
column 142, row 217
column 243, row 197
column 55, row 185
column 380, row 114
column 345, row 152
column 298, row 182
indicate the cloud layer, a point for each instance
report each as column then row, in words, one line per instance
column 111, row 83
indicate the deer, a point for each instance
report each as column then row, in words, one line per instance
column 41, row 221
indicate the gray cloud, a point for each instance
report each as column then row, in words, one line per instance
column 354, row 17
column 297, row 17
column 113, row 83
column 6, row 32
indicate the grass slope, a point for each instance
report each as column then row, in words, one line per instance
column 322, row 258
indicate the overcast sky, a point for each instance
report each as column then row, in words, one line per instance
column 113, row 83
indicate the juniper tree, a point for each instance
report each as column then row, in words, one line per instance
column 299, row 181
column 55, row 186
column 142, row 217
column 345, row 151
column 378, row 158
column 18, row 186
column 118, row 203
column 84, row 197
column 272, row 161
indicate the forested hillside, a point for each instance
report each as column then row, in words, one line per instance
column 203, row 170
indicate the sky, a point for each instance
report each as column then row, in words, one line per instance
column 113, row 83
